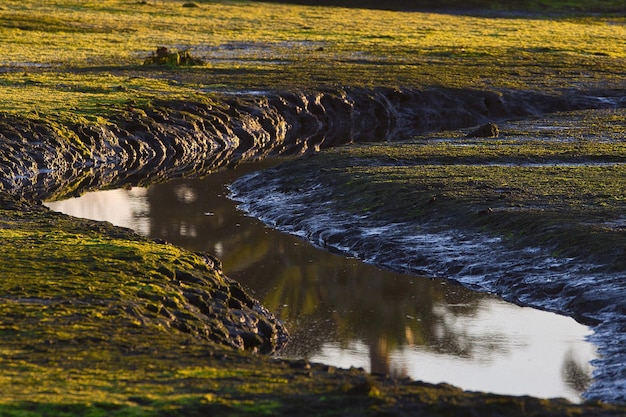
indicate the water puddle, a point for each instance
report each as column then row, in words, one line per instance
column 343, row 312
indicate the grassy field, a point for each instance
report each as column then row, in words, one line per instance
column 68, row 60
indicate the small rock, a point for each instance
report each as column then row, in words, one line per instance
column 490, row 130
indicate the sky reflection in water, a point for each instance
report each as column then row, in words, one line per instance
column 345, row 313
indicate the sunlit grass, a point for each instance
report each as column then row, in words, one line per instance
column 68, row 60
column 83, row 95
column 260, row 45
column 116, row 31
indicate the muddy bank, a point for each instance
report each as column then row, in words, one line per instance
column 106, row 277
column 41, row 159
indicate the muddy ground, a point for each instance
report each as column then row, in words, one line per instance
column 169, row 139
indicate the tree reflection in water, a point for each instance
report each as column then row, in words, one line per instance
column 329, row 301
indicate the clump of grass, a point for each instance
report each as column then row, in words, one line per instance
column 164, row 56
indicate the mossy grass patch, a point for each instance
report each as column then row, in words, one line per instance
column 65, row 60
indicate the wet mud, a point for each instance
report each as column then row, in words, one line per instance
column 41, row 160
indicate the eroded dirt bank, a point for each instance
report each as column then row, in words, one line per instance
column 41, row 159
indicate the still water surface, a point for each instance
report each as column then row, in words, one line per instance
column 346, row 313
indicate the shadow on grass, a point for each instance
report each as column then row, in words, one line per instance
column 480, row 7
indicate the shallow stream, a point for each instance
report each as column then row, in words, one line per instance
column 343, row 312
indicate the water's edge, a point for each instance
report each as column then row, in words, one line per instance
column 415, row 326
